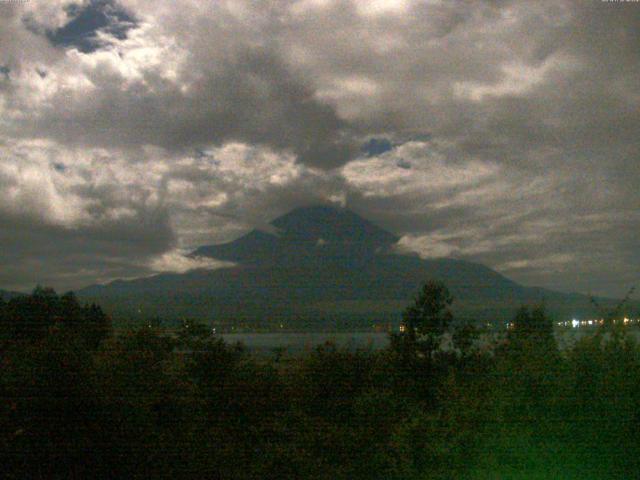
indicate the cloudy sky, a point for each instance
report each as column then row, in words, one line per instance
column 498, row 131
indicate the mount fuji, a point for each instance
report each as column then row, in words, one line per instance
column 320, row 267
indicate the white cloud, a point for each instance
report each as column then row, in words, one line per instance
column 179, row 261
column 517, row 79
column 556, row 261
column 381, row 7
column 429, row 172
column 530, row 107
column 426, row 246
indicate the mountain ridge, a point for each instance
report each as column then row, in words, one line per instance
column 322, row 266
column 7, row 295
column 300, row 232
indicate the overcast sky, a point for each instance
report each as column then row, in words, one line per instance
column 502, row 132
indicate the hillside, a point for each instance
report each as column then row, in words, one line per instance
column 8, row 295
column 320, row 268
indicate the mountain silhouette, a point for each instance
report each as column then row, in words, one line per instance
column 7, row 295
column 312, row 235
column 320, row 267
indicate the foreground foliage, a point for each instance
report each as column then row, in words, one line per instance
column 77, row 402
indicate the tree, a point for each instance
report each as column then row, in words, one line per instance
column 529, row 364
column 4, row 321
column 533, row 325
column 612, row 316
column 192, row 329
column 429, row 315
column 33, row 317
column 424, row 322
column 96, row 325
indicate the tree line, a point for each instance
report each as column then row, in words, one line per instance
column 80, row 402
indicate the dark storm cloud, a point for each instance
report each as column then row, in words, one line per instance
column 37, row 252
column 87, row 21
column 376, row 146
column 498, row 131
column 251, row 98
column 225, row 85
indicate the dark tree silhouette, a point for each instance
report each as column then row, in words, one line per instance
column 153, row 404
column 429, row 314
column 33, row 317
column 532, row 324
